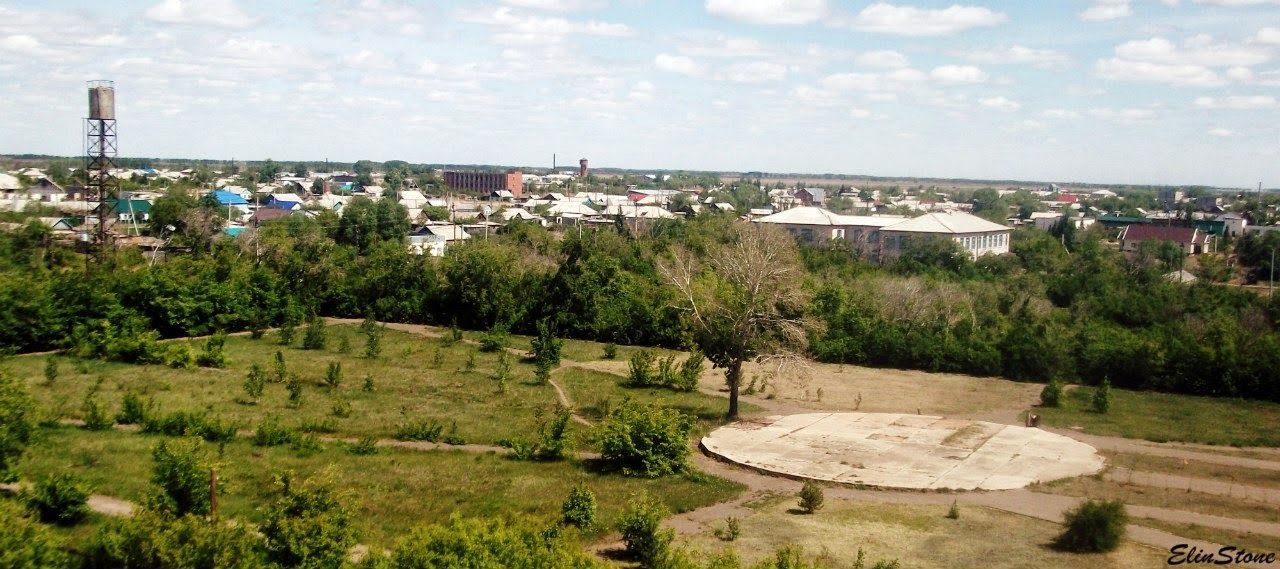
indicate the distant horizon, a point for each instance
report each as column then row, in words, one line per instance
column 641, row 171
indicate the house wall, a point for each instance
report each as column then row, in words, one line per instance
column 976, row 244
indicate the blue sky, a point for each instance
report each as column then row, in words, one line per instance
column 1124, row 91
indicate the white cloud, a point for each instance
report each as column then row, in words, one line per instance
column 677, row 64
column 367, row 59
column 1234, row 3
column 896, row 80
column 1196, row 50
column 642, row 91
column 396, row 16
column 1270, row 36
column 958, row 74
column 754, row 72
column 1125, row 115
column 555, row 5
column 884, row 58
column 1107, row 10
column 912, row 21
column 1000, row 103
column 769, row 12
column 1018, row 55
column 859, row 113
column 1125, row 70
column 217, row 13
column 527, row 29
column 1241, row 74
column 1220, row 132
column 1238, row 103
column 27, row 46
column 1063, row 114
column 720, row 46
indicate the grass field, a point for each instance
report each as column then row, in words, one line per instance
column 918, row 536
column 410, row 384
column 1195, row 469
column 1172, row 498
column 1250, row 541
column 1163, row 417
column 395, row 489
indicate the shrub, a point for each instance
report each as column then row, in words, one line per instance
column 255, row 382
column 50, row 370
column 542, row 372
column 179, row 356
column 1094, row 527
column 133, row 411
column 645, row 441
column 306, row 444
column 215, row 431
column 486, row 543
column 579, row 509
column 494, row 340
column 690, row 371
column 26, row 544
column 642, row 533
column 421, row 430
column 470, row 364
column 212, row 354
column 181, row 474
column 341, row 408
column 953, row 513
column 437, row 358
column 15, row 423
column 333, row 375
column 153, row 540
column 95, row 417
column 546, row 347
column 368, row 384
column 1102, row 397
column 308, row 525
column 181, row 424
column 502, row 372
column 344, row 344
column 640, row 369
column 363, row 447
column 810, row 497
column 294, row 387
column 317, row 334
column 372, row 337
column 666, row 374
column 271, row 433
column 610, row 351
column 552, row 441
column 281, row 371
column 321, row 426
column 287, row 331
column 732, row 529
column 59, row 499
column 1051, row 395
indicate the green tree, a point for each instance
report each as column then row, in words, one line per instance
column 151, row 540
column 60, row 499
column 25, row 544
column 309, row 525
column 642, row 533
column 486, row 544
column 645, row 440
column 16, row 425
column 1094, row 527
column 745, row 304
column 810, row 497
column 316, row 335
column 579, row 509
column 181, row 474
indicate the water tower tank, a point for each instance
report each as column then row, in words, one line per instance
column 102, row 100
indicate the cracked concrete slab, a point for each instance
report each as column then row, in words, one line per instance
column 891, row 450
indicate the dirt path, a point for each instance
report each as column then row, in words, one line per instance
column 105, row 505
column 1169, row 450
column 1202, row 485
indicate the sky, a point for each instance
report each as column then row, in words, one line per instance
column 1106, row 91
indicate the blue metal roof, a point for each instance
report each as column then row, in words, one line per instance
column 228, row 198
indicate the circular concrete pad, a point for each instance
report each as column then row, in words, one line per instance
column 903, row 451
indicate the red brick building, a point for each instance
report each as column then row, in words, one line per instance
column 486, row 181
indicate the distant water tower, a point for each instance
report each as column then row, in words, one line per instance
column 100, row 153
column 582, row 168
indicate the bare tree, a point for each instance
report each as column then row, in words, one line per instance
column 744, row 302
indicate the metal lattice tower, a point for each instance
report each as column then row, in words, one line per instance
column 100, row 154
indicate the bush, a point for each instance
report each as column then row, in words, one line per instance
column 610, row 351
column 1094, row 527
column 255, row 382
column 732, row 529
column 133, row 411
column 542, row 373
column 372, row 337
column 502, row 372
column 179, row 356
column 1051, row 395
column 579, row 509
column 644, row 441
column 437, row 358
column 316, row 335
column 95, row 417
column 182, row 424
column 810, row 497
column 344, row 344
column 640, row 369
column 481, row 543
column 308, row 526
column 421, row 430
column 306, row 444
column 212, row 355
column 368, row 384
column 181, row 474
column 363, row 447
column 470, row 365
column 26, row 544
column 321, row 426
column 552, row 442
column 546, row 347
column 271, row 433
column 288, row 330
column 281, row 370
column 333, row 375
column 50, row 370
column 953, row 513
column 341, row 408
column 60, row 499
column 494, row 340
column 1102, row 397
column 151, row 540
column 294, row 387
column 16, row 424
column 642, row 533
column 690, row 372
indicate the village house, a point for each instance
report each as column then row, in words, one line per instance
column 975, row 235
column 1192, row 241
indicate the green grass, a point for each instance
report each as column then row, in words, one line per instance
column 395, row 489
column 594, row 391
column 1163, row 417
column 407, row 387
